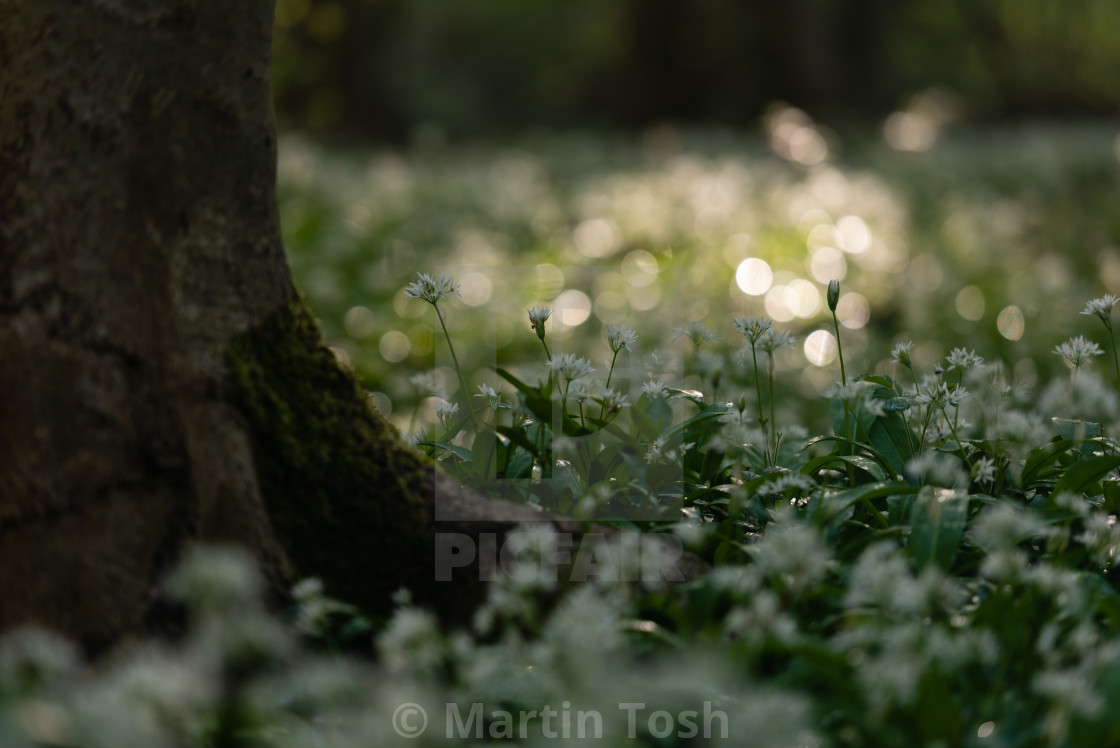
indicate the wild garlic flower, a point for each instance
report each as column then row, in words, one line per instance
column 698, row 333
column 901, row 353
column 938, row 469
column 941, row 396
column 537, row 317
column 621, row 337
column 570, row 366
column 493, row 396
column 657, row 453
column 772, row 340
column 858, row 396
column 959, row 358
column 655, row 388
column 445, row 412
column 1078, row 351
column 984, row 470
column 432, row 289
column 753, row 328
column 612, row 400
column 1102, row 308
column 833, row 294
column 428, row 383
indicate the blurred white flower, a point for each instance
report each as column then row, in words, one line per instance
column 493, row 396
column 901, row 353
column 445, row 412
column 1078, row 351
column 753, row 328
column 570, row 366
column 960, row 358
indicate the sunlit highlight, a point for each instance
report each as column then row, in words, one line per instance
column 754, row 276
column 970, row 303
column 548, row 281
column 610, row 307
column 775, row 304
column 853, row 311
column 1011, row 323
column 908, row 131
column 820, row 348
column 572, row 307
column 476, row 289
column 827, row 263
column 359, row 322
column 394, row 346
column 595, row 238
column 639, row 268
column 801, row 298
column 853, row 234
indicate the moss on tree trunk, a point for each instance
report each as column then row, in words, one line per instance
column 347, row 499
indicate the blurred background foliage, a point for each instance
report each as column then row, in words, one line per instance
column 659, row 163
column 478, row 67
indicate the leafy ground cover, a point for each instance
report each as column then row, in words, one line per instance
column 915, row 543
column 974, row 243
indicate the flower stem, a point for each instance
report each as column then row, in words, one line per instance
column 773, row 422
column 458, row 369
column 1115, row 358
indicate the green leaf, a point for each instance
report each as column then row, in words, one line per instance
column 444, row 449
column 888, row 434
column 937, row 522
column 866, row 464
column 484, row 453
column 519, row 437
column 1083, row 474
column 1076, row 430
column 1041, row 458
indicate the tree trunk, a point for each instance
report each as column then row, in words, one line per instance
column 161, row 381
column 159, row 374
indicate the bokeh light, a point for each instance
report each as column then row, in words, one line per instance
column 908, row 131
column 820, row 348
column 359, row 322
column 970, row 303
column 1011, row 323
column 827, row 263
column 548, row 280
column 394, row 346
column 573, row 307
column 595, row 238
column 801, row 298
column 639, row 268
column 853, row 310
column 853, row 235
column 475, row 289
column 754, row 276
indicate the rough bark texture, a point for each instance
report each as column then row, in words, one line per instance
column 138, row 236
column 161, row 382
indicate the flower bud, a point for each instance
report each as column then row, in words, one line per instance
column 833, row 294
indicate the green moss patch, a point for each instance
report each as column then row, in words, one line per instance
column 348, row 500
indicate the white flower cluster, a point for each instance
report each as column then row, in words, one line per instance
column 432, row 289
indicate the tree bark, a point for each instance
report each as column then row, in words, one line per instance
column 159, row 374
column 161, row 381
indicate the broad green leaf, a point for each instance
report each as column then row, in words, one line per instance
column 444, row 449
column 937, row 522
column 1041, row 458
column 1080, row 476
